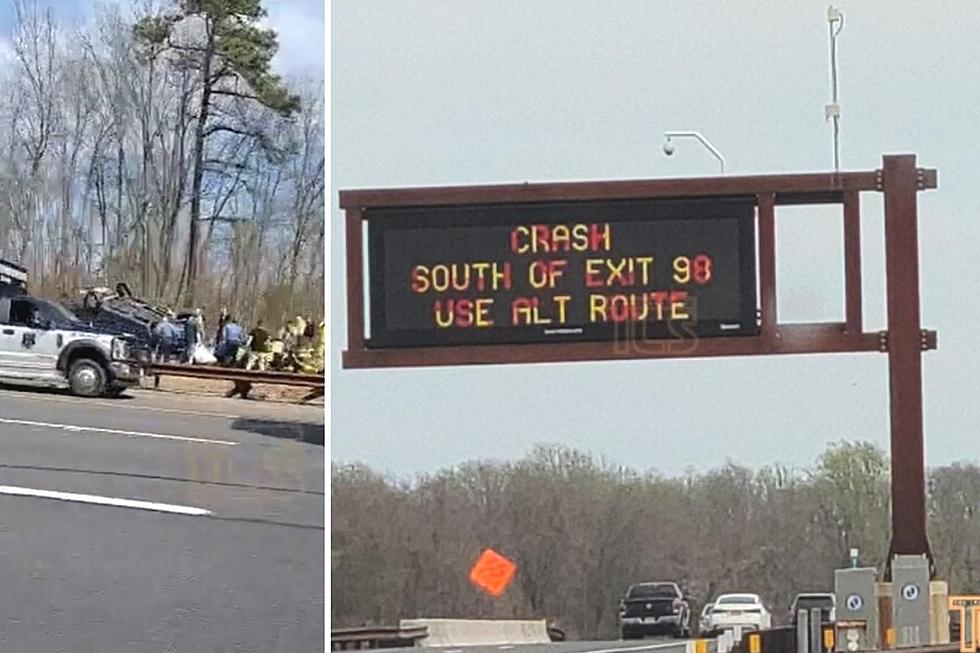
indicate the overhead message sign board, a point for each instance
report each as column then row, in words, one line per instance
column 561, row 272
column 547, row 273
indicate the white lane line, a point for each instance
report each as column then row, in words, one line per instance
column 649, row 647
column 126, row 405
column 103, row 501
column 505, row 648
column 95, row 429
column 116, row 404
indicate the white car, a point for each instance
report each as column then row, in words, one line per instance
column 744, row 610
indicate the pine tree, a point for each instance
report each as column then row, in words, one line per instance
column 222, row 40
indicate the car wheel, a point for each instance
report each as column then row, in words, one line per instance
column 87, row 378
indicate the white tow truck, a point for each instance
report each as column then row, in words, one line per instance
column 43, row 343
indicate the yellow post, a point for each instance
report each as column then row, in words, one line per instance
column 700, row 646
column 755, row 643
column 828, row 639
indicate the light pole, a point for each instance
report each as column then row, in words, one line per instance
column 835, row 18
column 669, row 145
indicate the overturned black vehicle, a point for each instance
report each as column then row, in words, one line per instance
column 120, row 313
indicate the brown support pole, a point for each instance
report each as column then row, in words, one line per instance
column 767, row 261
column 904, row 358
column 355, row 281
column 852, row 262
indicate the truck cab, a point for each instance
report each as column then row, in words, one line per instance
column 654, row 608
column 42, row 343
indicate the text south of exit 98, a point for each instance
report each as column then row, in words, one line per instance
column 484, row 276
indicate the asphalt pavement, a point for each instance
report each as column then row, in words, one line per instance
column 619, row 646
column 160, row 523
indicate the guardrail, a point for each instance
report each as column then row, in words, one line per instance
column 401, row 636
column 342, row 639
column 243, row 379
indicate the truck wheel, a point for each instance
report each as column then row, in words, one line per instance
column 629, row 634
column 86, row 378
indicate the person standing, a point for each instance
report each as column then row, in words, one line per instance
column 258, row 344
column 219, row 336
column 166, row 337
column 192, row 330
column 232, row 337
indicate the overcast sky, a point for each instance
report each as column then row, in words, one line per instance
column 442, row 92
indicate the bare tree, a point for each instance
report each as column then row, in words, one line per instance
column 104, row 175
column 36, row 50
column 581, row 531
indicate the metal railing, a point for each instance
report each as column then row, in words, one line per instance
column 342, row 639
column 235, row 374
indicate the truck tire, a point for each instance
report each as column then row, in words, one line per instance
column 87, row 378
column 628, row 633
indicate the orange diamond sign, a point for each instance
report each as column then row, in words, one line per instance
column 493, row 573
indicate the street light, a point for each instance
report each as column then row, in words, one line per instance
column 835, row 18
column 669, row 145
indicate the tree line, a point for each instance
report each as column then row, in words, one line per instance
column 581, row 531
column 154, row 144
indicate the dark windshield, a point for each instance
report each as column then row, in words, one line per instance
column 807, row 602
column 48, row 310
column 737, row 599
column 653, row 591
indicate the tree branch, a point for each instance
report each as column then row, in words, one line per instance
column 234, row 130
column 238, row 94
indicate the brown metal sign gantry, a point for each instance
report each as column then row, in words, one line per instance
column 899, row 180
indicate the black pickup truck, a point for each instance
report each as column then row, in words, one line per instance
column 654, row 609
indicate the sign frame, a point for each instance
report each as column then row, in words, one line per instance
column 899, row 181
column 618, row 214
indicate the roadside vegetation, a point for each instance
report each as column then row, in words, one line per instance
column 154, row 144
column 582, row 530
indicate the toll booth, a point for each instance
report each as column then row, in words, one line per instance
column 857, row 610
column 919, row 610
column 910, row 601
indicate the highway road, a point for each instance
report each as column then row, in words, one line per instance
column 630, row 646
column 160, row 523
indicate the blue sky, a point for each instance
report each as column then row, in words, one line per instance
column 299, row 23
column 436, row 92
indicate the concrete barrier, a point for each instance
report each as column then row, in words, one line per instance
column 473, row 632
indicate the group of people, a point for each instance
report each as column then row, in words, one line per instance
column 231, row 343
column 190, row 346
